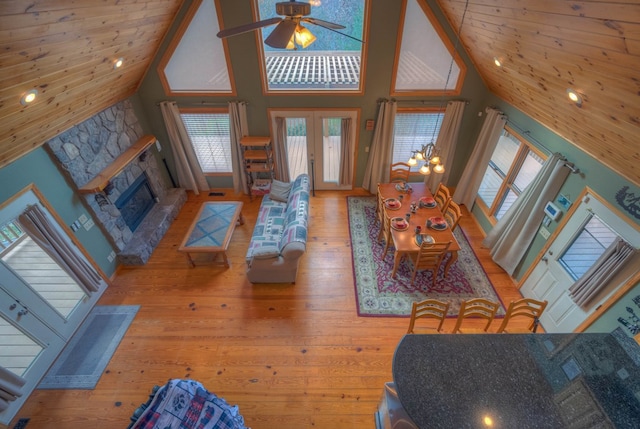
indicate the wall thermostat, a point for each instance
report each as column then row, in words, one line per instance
column 552, row 211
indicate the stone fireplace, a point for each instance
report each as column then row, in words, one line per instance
column 136, row 207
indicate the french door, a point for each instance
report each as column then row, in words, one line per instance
column 314, row 144
column 41, row 306
column 583, row 238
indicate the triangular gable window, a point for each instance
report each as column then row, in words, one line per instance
column 195, row 43
column 423, row 61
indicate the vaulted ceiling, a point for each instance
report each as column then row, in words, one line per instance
column 66, row 50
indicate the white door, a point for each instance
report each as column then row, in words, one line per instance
column 314, row 144
column 583, row 238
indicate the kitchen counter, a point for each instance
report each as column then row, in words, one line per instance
column 523, row 381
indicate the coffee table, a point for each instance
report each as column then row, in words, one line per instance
column 212, row 228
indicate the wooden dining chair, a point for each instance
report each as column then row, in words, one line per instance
column 428, row 309
column 452, row 215
column 399, row 172
column 442, row 197
column 525, row 307
column 380, row 212
column 386, row 233
column 476, row 308
column 429, row 257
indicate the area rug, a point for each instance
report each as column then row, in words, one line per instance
column 89, row 351
column 378, row 294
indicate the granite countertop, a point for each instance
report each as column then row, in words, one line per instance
column 523, row 381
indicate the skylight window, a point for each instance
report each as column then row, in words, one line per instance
column 333, row 62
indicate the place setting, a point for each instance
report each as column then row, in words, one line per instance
column 399, row 224
column 438, row 223
column 392, row 204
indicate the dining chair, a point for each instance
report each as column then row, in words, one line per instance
column 525, row 307
column 452, row 215
column 442, row 197
column 386, row 233
column 399, row 172
column 429, row 257
column 428, row 309
column 476, row 308
column 379, row 211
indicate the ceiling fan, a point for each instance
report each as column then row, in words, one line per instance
column 288, row 29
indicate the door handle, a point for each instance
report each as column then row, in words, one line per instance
column 13, row 306
column 23, row 312
column 544, row 259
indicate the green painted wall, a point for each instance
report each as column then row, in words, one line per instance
column 383, row 29
column 38, row 168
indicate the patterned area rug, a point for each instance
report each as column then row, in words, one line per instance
column 378, row 294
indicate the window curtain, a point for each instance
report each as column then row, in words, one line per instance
column 10, row 387
column 190, row 174
column 238, row 129
column 346, row 153
column 469, row 183
column 511, row 236
column 280, row 150
column 380, row 152
column 447, row 141
column 610, row 263
column 48, row 237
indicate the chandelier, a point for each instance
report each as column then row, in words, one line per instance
column 429, row 153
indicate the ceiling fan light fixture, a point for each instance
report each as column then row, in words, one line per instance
column 303, row 36
column 575, row 97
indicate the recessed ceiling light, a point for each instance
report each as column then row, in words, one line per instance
column 575, row 97
column 28, row 97
column 118, row 63
column 497, row 61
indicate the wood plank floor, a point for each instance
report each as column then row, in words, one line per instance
column 290, row 356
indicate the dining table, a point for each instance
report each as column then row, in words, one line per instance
column 404, row 241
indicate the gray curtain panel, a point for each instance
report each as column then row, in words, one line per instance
column 610, row 263
column 280, row 150
column 10, row 387
column 447, row 141
column 239, row 128
column 512, row 235
column 380, row 151
column 48, row 237
column 188, row 168
column 346, row 153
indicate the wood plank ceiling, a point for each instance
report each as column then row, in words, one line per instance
column 548, row 46
column 65, row 49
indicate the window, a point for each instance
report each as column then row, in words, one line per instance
column 412, row 129
column 210, row 136
column 513, row 165
column 594, row 238
column 331, row 63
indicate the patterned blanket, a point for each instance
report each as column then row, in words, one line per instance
column 186, row 404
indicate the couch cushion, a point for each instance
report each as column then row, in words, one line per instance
column 280, row 191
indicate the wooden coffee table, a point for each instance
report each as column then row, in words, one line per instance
column 212, row 228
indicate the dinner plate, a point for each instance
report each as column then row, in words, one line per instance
column 392, row 204
column 424, row 237
column 399, row 224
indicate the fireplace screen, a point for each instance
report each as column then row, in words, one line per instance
column 136, row 202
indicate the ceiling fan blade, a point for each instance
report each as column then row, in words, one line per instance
column 280, row 36
column 325, row 24
column 247, row 27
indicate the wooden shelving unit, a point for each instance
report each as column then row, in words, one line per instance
column 257, row 155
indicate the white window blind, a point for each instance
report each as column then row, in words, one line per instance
column 209, row 133
column 412, row 130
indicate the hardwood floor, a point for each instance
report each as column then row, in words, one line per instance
column 290, row 356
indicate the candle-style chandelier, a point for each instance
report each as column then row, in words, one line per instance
column 429, row 154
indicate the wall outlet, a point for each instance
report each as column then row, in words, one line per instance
column 111, row 256
column 83, row 218
column 88, row 224
column 544, row 232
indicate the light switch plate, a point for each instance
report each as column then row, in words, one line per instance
column 83, row 218
column 88, row 224
column 544, row 232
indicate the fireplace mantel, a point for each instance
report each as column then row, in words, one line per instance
column 98, row 183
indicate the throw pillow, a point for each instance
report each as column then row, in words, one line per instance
column 280, row 191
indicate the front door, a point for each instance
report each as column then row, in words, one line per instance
column 582, row 239
column 314, row 144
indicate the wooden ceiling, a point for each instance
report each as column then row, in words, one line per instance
column 65, row 50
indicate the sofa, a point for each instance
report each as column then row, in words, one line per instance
column 279, row 237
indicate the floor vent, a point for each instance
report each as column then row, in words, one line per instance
column 216, row 194
column 21, row 423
